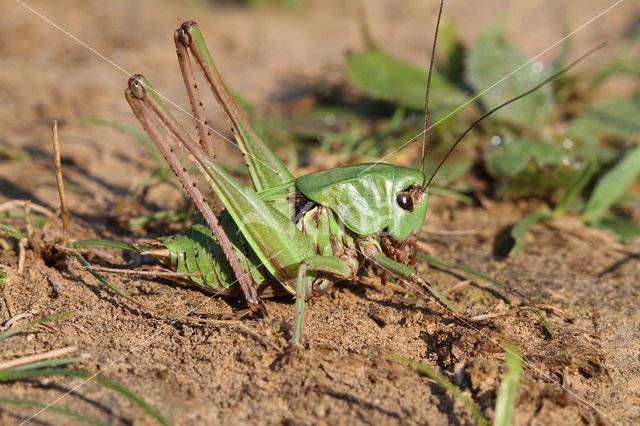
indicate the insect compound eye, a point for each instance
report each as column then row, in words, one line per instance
column 405, row 201
column 136, row 86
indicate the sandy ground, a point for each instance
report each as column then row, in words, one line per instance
column 196, row 372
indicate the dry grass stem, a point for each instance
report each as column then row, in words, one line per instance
column 38, row 357
column 63, row 200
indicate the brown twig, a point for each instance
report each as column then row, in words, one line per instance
column 38, row 357
column 22, row 253
column 27, row 218
column 8, row 300
column 50, row 222
column 136, row 272
column 55, row 284
column 33, row 236
column 11, row 322
column 553, row 309
column 63, row 200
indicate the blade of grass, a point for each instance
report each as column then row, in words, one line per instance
column 98, row 275
column 30, row 324
column 505, row 401
column 612, row 186
column 451, row 194
column 98, row 242
column 490, row 280
column 13, row 153
column 64, row 411
column 574, row 189
column 518, row 231
column 56, row 362
column 442, row 381
column 11, row 232
column 466, row 269
column 624, row 229
column 173, row 215
column 36, row 219
column 8, row 374
column 103, row 279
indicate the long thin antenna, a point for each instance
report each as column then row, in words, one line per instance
column 475, row 123
column 426, row 100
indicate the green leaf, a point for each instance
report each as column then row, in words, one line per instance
column 97, row 242
column 383, row 77
column 624, row 229
column 54, row 408
column 445, row 192
column 574, row 189
column 492, row 58
column 47, row 318
column 454, row 169
column 511, row 156
column 99, row 276
column 8, row 374
column 450, row 43
column 505, row 401
column 56, row 362
column 170, row 215
column 612, row 186
column 444, row 382
column 615, row 68
column 36, row 219
column 615, row 117
column 531, row 166
column 104, row 280
column 495, row 282
column 517, row 233
column 11, row 232
column 14, row 153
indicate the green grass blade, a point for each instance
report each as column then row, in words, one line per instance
column 518, row 231
column 612, row 186
column 611, row 117
column 624, row 229
column 444, row 382
column 382, row 76
column 36, row 219
column 493, row 56
column 13, row 153
column 8, row 374
column 131, row 396
column 466, row 269
column 11, row 232
column 99, row 276
column 98, row 242
column 42, row 320
column 490, row 280
column 451, row 194
column 56, row 362
column 102, row 278
column 172, row 215
column 505, row 402
column 64, row 411
column 574, row 189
